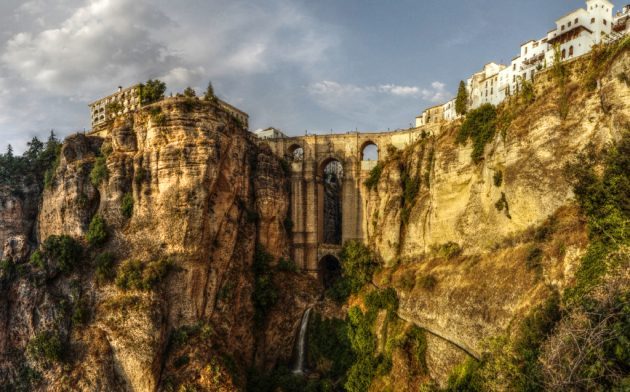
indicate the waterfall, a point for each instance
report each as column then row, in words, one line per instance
column 299, row 362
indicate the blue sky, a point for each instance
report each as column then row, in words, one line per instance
column 296, row 65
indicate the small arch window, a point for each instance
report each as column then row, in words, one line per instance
column 571, row 51
column 592, row 20
column 297, row 154
column 369, row 152
column 564, row 53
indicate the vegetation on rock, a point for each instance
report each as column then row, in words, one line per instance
column 480, row 127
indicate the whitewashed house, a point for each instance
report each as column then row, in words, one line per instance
column 574, row 35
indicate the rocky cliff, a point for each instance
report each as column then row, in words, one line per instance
column 473, row 245
column 184, row 197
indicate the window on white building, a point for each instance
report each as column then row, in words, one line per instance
column 569, row 24
column 592, row 20
column 605, row 22
column 576, row 20
column 571, row 51
column 564, row 54
column 562, row 28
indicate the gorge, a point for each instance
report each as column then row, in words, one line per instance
column 174, row 251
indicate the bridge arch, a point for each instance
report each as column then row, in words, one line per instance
column 295, row 153
column 329, row 270
column 330, row 189
column 369, row 151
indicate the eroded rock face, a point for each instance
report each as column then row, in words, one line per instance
column 479, row 294
column 204, row 194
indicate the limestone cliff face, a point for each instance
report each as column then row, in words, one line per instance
column 478, row 294
column 204, row 194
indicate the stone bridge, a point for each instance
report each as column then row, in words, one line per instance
column 321, row 225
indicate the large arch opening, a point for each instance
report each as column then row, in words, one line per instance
column 332, row 179
column 296, row 153
column 369, row 152
column 329, row 270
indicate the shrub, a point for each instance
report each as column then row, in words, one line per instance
column 99, row 171
column 81, row 313
column 63, row 250
column 140, row 175
column 534, row 257
column 136, row 275
column 498, row 178
column 105, row 271
column 407, row 280
column 46, row 347
column 361, row 374
column 480, row 126
column 126, row 205
column 447, row 250
column 415, row 344
column 37, row 260
column 190, row 92
column 287, row 265
column 536, row 327
column 358, row 265
column 328, row 346
column 374, row 177
column 527, row 92
column 428, row 282
column 465, row 378
column 502, row 205
column 382, row 299
column 97, row 232
column 265, row 294
column 152, row 91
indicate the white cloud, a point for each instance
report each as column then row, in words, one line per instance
column 436, row 93
column 100, row 44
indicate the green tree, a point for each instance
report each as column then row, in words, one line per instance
column 97, row 232
column 152, row 91
column 210, row 96
column 190, row 92
column 461, row 102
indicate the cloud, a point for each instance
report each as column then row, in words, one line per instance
column 99, row 45
column 436, row 93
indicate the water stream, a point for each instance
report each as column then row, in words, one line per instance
column 301, row 343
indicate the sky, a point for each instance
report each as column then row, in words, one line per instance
column 298, row 65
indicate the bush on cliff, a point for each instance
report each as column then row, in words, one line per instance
column 99, row 171
column 46, row 347
column 358, row 264
column 480, row 127
column 375, row 176
column 126, row 205
column 62, row 251
column 152, row 91
column 97, row 232
column 136, row 275
column 265, row 293
column 36, row 166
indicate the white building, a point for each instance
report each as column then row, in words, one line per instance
column 269, row 133
column 448, row 110
column 574, row 35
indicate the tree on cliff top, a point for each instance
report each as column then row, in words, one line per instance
column 190, row 92
column 152, row 91
column 210, row 96
column 461, row 102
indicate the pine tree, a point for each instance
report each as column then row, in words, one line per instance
column 461, row 102
column 210, row 96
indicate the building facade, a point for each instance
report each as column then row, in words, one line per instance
column 128, row 100
column 269, row 133
column 574, row 35
column 121, row 102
